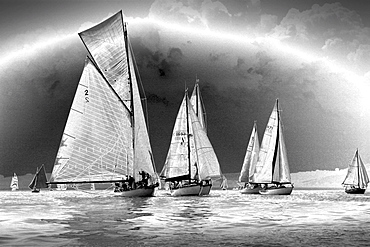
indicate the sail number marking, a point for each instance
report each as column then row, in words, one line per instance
column 87, row 95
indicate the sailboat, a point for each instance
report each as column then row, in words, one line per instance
column 39, row 180
column 272, row 168
column 105, row 139
column 356, row 179
column 14, row 183
column 191, row 162
column 249, row 164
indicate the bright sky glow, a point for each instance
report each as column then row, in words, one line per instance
column 28, row 50
column 305, row 56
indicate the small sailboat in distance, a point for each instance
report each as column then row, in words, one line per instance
column 249, row 165
column 357, row 178
column 39, row 180
column 14, row 183
column 272, row 165
column 105, row 139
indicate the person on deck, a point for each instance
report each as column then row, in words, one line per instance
column 131, row 182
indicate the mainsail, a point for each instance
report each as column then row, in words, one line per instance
column 272, row 165
column 357, row 174
column 39, row 180
column 251, row 156
column 106, row 136
column 191, row 154
column 179, row 159
column 14, row 182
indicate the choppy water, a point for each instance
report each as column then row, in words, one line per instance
column 225, row 218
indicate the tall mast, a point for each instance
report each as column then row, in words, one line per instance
column 277, row 140
column 187, row 130
column 358, row 169
column 197, row 98
column 131, row 92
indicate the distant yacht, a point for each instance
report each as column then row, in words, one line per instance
column 249, row 165
column 39, row 180
column 14, row 183
column 272, row 169
column 191, row 161
column 356, row 179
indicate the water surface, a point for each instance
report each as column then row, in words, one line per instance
column 225, row 218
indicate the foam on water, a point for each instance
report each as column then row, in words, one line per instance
column 225, row 218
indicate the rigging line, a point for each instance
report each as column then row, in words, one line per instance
column 140, row 83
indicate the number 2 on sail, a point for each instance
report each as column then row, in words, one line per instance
column 87, row 95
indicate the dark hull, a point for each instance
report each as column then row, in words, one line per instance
column 355, row 191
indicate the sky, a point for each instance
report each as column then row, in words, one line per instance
column 312, row 55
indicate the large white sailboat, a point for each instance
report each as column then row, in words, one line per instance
column 356, row 179
column 14, row 183
column 105, row 139
column 249, row 164
column 191, row 162
column 272, row 168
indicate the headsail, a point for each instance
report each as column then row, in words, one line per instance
column 251, row 156
column 357, row 174
column 143, row 155
column 207, row 159
column 272, row 165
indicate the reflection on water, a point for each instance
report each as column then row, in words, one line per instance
column 225, row 218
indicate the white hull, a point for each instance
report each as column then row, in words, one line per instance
column 277, row 191
column 140, row 192
column 248, row 190
column 192, row 190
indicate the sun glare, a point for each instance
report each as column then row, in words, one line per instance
column 29, row 50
